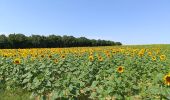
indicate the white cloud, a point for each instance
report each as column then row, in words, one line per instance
column 5, row 33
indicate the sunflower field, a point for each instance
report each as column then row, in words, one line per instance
column 88, row 73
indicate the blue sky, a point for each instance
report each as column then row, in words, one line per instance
column 127, row 21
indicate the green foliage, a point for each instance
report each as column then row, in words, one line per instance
column 75, row 76
column 51, row 41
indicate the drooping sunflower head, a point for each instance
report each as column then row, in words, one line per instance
column 91, row 53
column 120, row 69
column 167, row 79
column 17, row 61
column 162, row 57
column 82, row 91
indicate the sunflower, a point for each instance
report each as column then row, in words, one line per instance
column 17, row 61
column 5, row 55
column 120, row 69
column 154, row 58
column 140, row 54
column 91, row 58
column 49, row 56
column 150, row 53
column 100, row 58
column 63, row 56
column 162, row 57
column 167, row 79
column 82, row 91
column 113, row 52
column 91, row 53
column 108, row 98
column 108, row 55
column 56, row 60
column 42, row 56
column 35, row 55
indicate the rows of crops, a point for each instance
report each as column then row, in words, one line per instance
column 105, row 73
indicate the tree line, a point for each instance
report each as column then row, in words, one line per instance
column 51, row 41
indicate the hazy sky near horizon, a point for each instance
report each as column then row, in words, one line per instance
column 127, row 21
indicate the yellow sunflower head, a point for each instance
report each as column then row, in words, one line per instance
column 113, row 52
column 35, row 55
column 167, row 79
column 42, row 56
column 62, row 56
column 162, row 57
column 49, row 56
column 140, row 54
column 56, row 60
column 17, row 61
column 91, row 53
column 154, row 58
column 120, row 69
column 150, row 53
column 91, row 58
column 5, row 55
column 100, row 58
column 108, row 55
